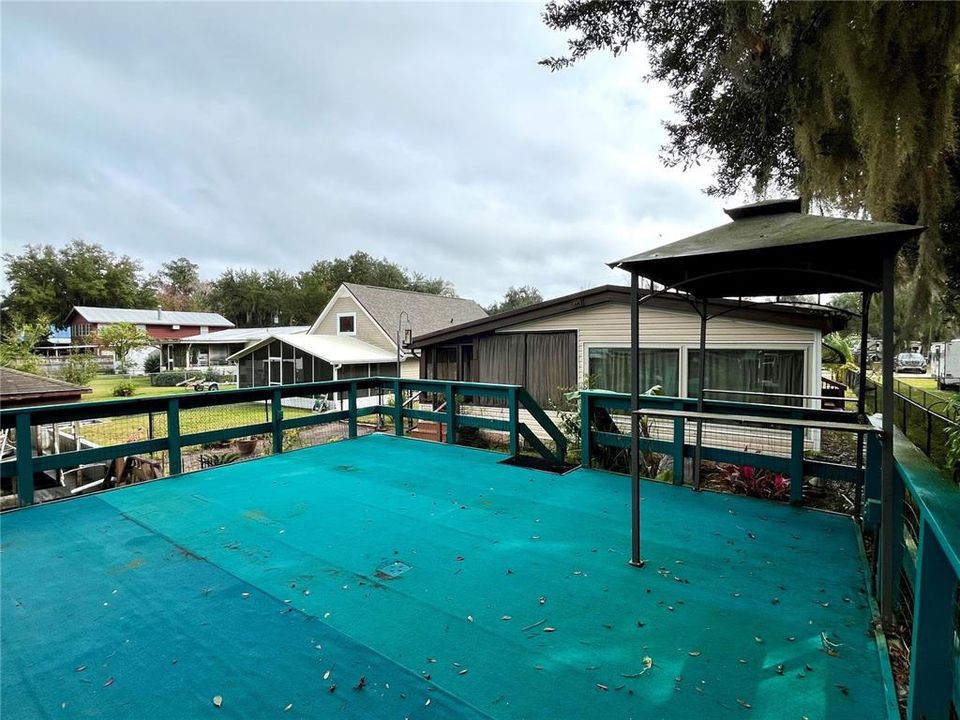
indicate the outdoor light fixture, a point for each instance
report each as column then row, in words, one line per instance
column 407, row 336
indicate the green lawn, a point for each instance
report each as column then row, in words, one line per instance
column 927, row 384
column 137, row 427
column 103, row 387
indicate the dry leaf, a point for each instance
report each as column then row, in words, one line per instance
column 109, row 682
column 288, row 708
column 463, row 672
column 326, row 675
column 694, row 653
column 601, row 686
column 427, row 702
column 549, row 629
column 217, row 700
column 469, row 618
column 80, row 668
column 743, row 703
column 506, row 617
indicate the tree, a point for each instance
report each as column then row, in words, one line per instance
column 122, row 339
column 17, row 344
column 179, row 286
column 853, row 105
column 45, row 281
column 516, row 297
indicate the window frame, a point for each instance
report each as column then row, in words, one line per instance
column 342, row 315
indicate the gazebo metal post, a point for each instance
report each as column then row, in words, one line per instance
column 862, row 399
column 887, row 574
column 635, row 558
column 702, row 374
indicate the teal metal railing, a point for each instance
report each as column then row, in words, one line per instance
column 595, row 403
column 926, row 555
column 513, row 398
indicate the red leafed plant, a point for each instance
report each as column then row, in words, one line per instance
column 755, row 482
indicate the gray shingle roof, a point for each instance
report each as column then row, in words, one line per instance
column 428, row 313
column 150, row 317
column 15, row 385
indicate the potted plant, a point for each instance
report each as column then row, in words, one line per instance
column 247, row 446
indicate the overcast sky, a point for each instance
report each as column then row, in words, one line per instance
column 268, row 135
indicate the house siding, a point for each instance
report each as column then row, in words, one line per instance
column 367, row 330
column 608, row 325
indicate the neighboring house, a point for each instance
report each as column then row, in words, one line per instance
column 211, row 350
column 356, row 335
column 560, row 343
column 160, row 324
column 20, row 389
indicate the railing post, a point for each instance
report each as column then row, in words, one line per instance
column 24, row 460
column 276, row 415
column 352, row 405
column 514, row 420
column 586, row 400
column 397, row 408
column 796, row 465
column 931, row 654
column 679, row 439
column 451, row 414
column 173, row 436
column 871, row 482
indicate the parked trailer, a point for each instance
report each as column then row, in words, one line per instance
column 945, row 364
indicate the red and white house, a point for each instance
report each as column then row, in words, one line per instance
column 161, row 324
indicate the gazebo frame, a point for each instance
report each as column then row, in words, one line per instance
column 775, row 249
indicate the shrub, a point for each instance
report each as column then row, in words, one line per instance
column 124, row 388
column 755, row 482
column 152, row 363
column 167, row 379
column 214, row 376
column 79, row 369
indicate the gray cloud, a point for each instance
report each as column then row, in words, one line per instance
column 270, row 135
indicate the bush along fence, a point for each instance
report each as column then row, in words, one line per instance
column 167, row 426
column 931, row 422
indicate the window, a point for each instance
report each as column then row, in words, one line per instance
column 766, row 371
column 204, row 329
column 81, row 330
column 346, row 323
column 609, row 369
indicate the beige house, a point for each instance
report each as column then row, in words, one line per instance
column 564, row 343
column 363, row 331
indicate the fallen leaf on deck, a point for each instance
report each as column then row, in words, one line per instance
column 80, row 668
column 217, row 700
column 549, row 629
column 109, row 682
column 463, row 672
column 506, row 617
column 326, row 675
column 743, row 703
column 601, row 686
column 758, row 639
column 694, row 653
column 288, row 708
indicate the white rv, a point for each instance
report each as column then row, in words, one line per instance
column 945, row 364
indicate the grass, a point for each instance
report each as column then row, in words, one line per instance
column 137, row 427
column 928, row 385
column 103, row 387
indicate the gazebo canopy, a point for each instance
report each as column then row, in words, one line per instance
column 772, row 248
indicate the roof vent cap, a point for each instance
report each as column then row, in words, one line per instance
column 765, row 207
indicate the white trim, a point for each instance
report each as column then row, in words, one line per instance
column 344, row 291
column 811, row 360
column 349, row 315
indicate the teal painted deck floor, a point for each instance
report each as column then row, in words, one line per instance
column 252, row 581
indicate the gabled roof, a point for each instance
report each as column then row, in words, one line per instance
column 20, row 387
column 237, row 335
column 335, row 349
column 148, row 317
column 823, row 319
column 427, row 312
column 772, row 248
